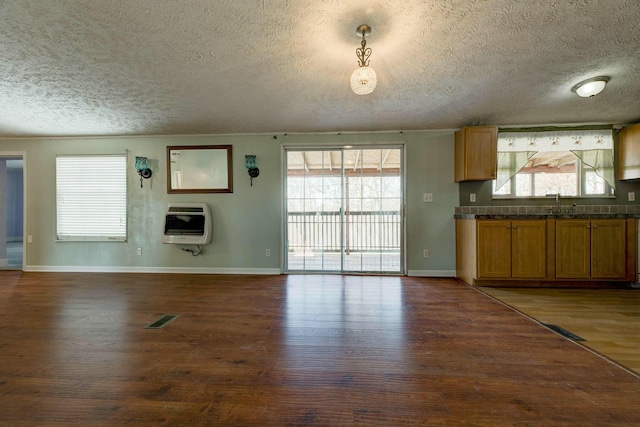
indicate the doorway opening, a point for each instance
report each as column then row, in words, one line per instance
column 11, row 212
column 344, row 210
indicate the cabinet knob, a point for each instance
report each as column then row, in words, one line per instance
column 515, row 226
column 588, row 226
column 508, row 227
column 595, row 226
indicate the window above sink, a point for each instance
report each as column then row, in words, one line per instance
column 568, row 163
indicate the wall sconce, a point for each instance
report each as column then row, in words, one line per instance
column 143, row 169
column 250, row 163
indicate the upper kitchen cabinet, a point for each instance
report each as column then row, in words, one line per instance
column 475, row 153
column 629, row 152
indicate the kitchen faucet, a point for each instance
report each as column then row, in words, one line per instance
column 556, row 196
column 558, row 199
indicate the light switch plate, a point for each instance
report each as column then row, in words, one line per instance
column 472, row 197
column 632, row 196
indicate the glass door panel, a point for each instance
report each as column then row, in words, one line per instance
column 344, row 210
column 314, row 201
column 373, row 207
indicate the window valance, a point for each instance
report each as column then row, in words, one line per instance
column 575, row 140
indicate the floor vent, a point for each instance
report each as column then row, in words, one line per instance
column 564, row 332
column 161, row 321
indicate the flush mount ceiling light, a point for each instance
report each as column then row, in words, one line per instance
column 591, row 87
column 364, row 78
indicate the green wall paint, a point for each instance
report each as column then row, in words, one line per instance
column 246, row 222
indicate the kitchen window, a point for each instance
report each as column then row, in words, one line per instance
column 569, row 163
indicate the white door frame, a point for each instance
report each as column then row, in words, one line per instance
column 343, row 146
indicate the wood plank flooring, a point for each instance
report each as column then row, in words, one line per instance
column 608, row 319
column 289, row 351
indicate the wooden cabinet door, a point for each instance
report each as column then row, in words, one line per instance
column 608, row 248
column 529, row 249
column 476, row 153
column 494, row 249
column 573, row 249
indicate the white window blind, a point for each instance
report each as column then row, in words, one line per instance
column 91, row 194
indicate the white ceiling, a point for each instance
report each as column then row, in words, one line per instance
column 132, row 67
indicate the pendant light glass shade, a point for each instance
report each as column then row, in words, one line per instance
column 363, row 80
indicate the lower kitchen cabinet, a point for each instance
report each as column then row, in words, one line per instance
column 591, row 249
column 512, row 249
column 546, row 252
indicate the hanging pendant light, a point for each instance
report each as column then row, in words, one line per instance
column 364, row 78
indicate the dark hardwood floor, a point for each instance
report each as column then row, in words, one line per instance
column 289, row 350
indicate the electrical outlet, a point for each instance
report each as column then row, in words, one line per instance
column 632, row 196
column 425, row 253
column 29, row 239
column 472, row 197
column 427, row 197
column 267, row 252
column 139, row 251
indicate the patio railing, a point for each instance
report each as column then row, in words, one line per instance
column 378, row 231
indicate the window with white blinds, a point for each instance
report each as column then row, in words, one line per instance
column 91, row 194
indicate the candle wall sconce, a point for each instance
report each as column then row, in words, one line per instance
column 250, row 163
column 143, row 169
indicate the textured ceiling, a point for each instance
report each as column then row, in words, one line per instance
column 132, row 67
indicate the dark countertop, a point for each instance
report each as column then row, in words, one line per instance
column 549, row 216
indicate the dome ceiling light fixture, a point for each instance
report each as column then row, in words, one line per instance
column 591, row 87
column 364, row 78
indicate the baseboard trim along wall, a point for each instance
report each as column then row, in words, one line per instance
column 177, row 270
column 431, row 273
column 189, row 270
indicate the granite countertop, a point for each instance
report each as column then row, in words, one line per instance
column 549, row 216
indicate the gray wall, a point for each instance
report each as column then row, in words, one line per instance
column 246, row 222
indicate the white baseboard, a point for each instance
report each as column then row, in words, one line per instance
column 431, row 273
column 177, row 270
column 192, row 270
column 4, row 262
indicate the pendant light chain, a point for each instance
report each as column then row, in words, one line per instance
column 363, row 53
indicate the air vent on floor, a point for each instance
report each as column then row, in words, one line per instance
column 564, row 332
column 161, row 322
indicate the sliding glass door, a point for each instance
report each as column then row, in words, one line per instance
column 344, row 210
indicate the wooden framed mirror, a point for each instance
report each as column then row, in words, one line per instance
column 199, row 169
